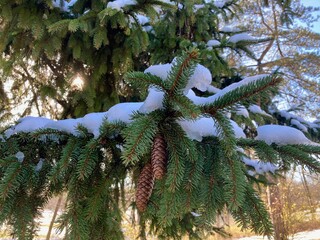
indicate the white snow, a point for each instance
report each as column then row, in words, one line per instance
column 213, row 43
column 241, row 37
column 236, row 85
column 299, row 125
column 310, row 235
column 220, row 3
column 237, row 130
column 212, row 89
column 259, row 166
column 257, row 109
column 205, row 127
column 197, row 129
column 66, row 125
column 92, row 121
column 119, row 4
column 242, row 111
column 123, row 111
column 282, row 135
column 39, row 165
column 229, row 88
column 197, row 7
column 153, row 101
column 161, row 70
column 230, row 29
column 200, row 79
column 299, row 122
column 20, row 156
column 195, row 214
column 65, row 4
column 28, row 124
column 142, row 19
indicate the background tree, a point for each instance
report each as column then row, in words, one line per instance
column 288, row 24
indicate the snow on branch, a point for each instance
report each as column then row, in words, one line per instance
column 282, row 135
column 196, row 129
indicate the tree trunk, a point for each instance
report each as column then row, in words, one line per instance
column 276, row 212
column 54, row 217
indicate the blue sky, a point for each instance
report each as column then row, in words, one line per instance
column 313, row 3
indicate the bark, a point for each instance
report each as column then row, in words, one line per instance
column 276, row 212
column 54, row 217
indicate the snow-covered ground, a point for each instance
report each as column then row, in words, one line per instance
column 311, row 235
column 47, row 216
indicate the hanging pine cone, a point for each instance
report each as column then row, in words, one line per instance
column 159, row 157
column 144, row 188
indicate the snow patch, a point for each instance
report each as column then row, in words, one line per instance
column 39, row 165
column 220, row 3
column 299, row 125
column 232, row 87
column 242, row 111
column 66, row 125
column 64, row 5
column 123, row 112
column 260, row 167
column 28, row 124
column 230, row 29
column 20, row 156
column 241, row 37
column 213, row 43
column 119, row 4
column 195, row 214
column 282, row 135
column 142, row 19
column 205, row 127
column 257, row 109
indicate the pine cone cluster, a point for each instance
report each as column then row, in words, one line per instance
column 151, row 171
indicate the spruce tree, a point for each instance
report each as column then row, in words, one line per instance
column 46, row 45
column 179, row 155
column 207, row 171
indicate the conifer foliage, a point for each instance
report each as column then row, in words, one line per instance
column 178, row 159
column 184, row 182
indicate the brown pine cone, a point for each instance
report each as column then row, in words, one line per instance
column 145, row 187
column 159, row 157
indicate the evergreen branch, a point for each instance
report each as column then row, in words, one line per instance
column 239, row 94
column 235, row 178
column 264, row 151
column 96, row 200
column 144, row 80
column 111, row 130
column 253, row 213
column 177, row 150
column 87, row 160
column 309, row 149
column 260, row 222
column 298, row 155
column 63, row 164
column 61, row 25
column 139, row 137
column 181, row 70
column 183, row 105
column 11, row 181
